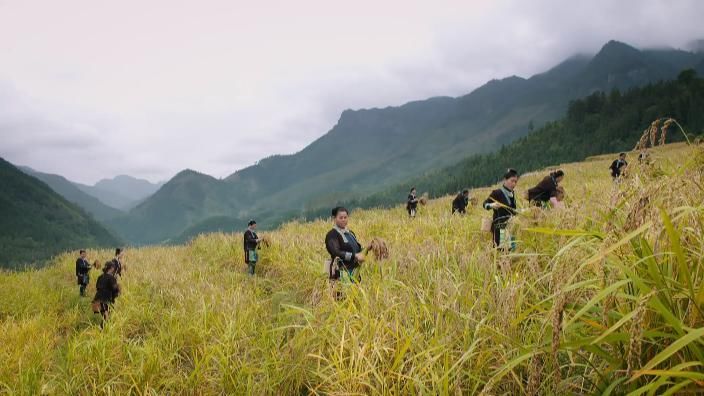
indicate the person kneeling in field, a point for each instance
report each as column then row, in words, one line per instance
column 503, row 202
column 107, row 291
column 344, row 248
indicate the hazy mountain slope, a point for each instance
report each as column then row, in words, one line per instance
column 369, row 150
column 36, row 222
column 72, row 193
column 123, row 192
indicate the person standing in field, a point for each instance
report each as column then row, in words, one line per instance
column 459, row 204
column 344, row 248
column 251, row 244
column 503, row 202
column 107, row 290
column 82, row 272
column 412, row 203
column 547, row 188
column 117, row 261
column 618, row 166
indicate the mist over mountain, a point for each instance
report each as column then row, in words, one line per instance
column 370, row 149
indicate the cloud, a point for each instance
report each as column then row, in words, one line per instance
column 99, row 89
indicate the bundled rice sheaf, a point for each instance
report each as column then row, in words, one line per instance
column 266, row 241
column 650, row 134
column 424, row 199
column 96, row 265
column 378, row 247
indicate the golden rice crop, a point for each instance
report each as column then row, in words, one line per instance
column 603, row 298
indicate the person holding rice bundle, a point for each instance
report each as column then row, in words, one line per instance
column 412, row 203
column 547, row 188
column 344, row 248
column 503, row 202
column 251, row 244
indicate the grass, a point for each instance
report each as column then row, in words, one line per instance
column 603, row 297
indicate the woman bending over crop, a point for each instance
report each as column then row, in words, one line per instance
column 547, row 188
column 503, row 202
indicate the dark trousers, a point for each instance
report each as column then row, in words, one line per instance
column 497, row 236
column 83, row 281
column 509, row 244
column 104, row 311
column 250, row 267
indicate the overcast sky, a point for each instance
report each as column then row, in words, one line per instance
column 92, row 89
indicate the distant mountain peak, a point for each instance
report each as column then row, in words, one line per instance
column 369, row 148
column 616, row 48
column 190, row 174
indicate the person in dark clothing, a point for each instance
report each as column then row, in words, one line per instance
column 107, row 289
column 617, row 167
column 547, row 188
column 459, row 204
column 82, row 272
column 344, row 248
column 117, row 261
column 251, row 244
column 503, row 202
column 412, row 203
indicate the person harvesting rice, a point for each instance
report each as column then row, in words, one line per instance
column 459, row 204
column 617, row 167
column 82, row 272
column 117, row 261
column 412, row 203
column 503, row 202
column 251, row 244
column 547, row 188
column 344, row 248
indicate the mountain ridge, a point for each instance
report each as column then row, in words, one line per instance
column 368, row 148
column 37, row 223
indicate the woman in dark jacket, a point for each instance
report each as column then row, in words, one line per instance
column 412, row 203
column 82, row 272
column 459, row 204
column 107, row 289
column 251, row 244
column 343, row 246
column 547, row 188
column 503, row 202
